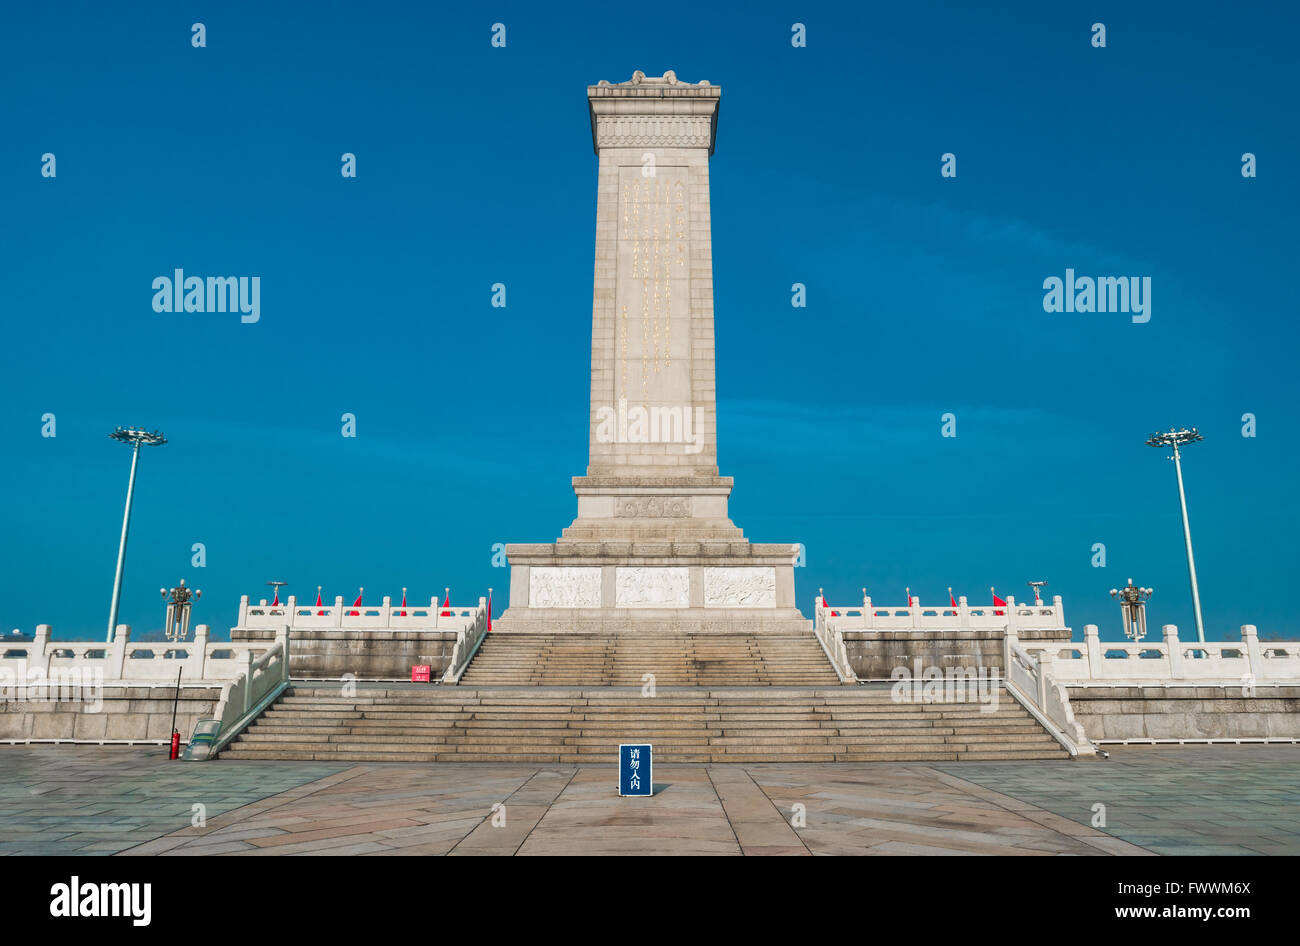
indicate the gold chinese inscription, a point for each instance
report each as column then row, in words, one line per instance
column 654, row 223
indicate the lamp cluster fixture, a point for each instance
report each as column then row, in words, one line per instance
column 138, row 435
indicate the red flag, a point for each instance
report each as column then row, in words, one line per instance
column 403, row 602
column 489, row 628
column 356, row 604
column 998, row 602
column 952, row 600
column 277, row 597
column 446, row 605
column 834, row 614
column 318, row 604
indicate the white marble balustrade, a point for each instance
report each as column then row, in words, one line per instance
column 917, row 617
column 372, row 617
column 1246, row 662
column 125, row 662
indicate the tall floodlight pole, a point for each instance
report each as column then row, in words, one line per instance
column 1173, row 438
column 137, row 437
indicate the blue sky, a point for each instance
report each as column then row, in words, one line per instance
column 475, row 167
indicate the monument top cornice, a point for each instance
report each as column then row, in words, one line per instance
column 644, row 86
column 653, row 111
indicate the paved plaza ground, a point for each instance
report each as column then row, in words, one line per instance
column 120, row 800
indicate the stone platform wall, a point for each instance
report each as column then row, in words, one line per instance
column 112, row 713
column 625, row 622
column 1187, row 712
column 875, row 654
column 369, row 655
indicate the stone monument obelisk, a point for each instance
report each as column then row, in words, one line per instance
column 652, row 546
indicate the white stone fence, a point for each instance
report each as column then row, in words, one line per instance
column 124, row 662
column 1235, row 663
column 916, row 617
column 368, row 617
column 203, row 660
column 831, row 637
column 1031, row 683
column 258, row 686
column 468, row 639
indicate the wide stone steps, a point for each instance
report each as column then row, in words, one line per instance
column 809, row 754
column 868, row 720
column 694, row 660
column 765, row 728
column 549, row 725
column 675, row 738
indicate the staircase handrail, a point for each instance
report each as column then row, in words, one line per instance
column 261, row 683
column 468, row 641
column 832, row 640
column 1029, row 683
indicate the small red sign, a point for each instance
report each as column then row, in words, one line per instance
column 420, row 673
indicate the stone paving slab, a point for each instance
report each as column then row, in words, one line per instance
column 103, row 799
column 131, row 800
column 1168, row 799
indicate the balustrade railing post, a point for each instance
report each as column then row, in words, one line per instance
column 868, row 611
column 963, row 613
column 338, row 611
column 388, row 611
column 1254, row 655
column 40, row 653
column 1092, row 645
column 293, row 609
column 248, row 681
column 199, row 662
column 1058, row 608
column 243, row 611
column 1175, row 651
column 282, row 637
column 117, row 652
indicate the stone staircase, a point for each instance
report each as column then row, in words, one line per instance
column 676, row 660
column 407, row 723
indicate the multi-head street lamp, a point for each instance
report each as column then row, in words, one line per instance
column 1176, row 438
column 179, row 602
column 137, row 437
column 1133, row 609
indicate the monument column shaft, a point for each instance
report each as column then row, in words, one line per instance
column 653, row 392
column 652, row 546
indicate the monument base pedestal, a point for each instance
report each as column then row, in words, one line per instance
column 615, row 621
column 648, row 587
